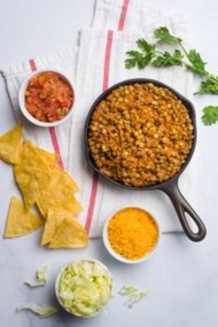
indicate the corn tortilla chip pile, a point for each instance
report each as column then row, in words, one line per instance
column 44, row 185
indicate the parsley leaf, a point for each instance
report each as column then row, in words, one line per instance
column 167, row 59
column 163, row 36
column 140, row 58
column 209, row 85
column 197, row 64
column 210, row 115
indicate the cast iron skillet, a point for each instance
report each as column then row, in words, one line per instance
column 170, row 187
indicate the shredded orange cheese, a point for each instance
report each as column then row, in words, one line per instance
column 132, row 232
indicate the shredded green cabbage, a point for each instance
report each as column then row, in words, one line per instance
column 84, row 288
column 134, row 295
column 44, row 311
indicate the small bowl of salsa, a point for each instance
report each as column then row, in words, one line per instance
column 46, row 98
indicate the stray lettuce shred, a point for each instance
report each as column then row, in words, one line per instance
column 41, row 278
column 42, row 274
column 43, row 311
column 134, row 295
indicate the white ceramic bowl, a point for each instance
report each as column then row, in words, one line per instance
column 25, row 112
column 116, row 255
column 59, row 276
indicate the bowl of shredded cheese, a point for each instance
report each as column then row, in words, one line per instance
column 131, row 235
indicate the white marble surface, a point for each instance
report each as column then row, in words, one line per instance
column 183, row 276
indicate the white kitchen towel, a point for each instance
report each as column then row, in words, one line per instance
column 94, row 64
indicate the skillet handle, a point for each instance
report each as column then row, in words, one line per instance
column 182, row 206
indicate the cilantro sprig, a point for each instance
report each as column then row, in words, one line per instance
column 140, row 58
column 163, row 36
column 151, row 54
column 210, row 115
column 209, row 85
column 168, row 59
column 196, row 63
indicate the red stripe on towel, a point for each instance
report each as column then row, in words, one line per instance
column 32, row 65
column 123, row 15
column 56, row 146
column 52, row 132
column 105, row 84
column 92, row 201
column 107, row 60
column 106, row 71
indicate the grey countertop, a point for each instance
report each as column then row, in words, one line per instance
column 182, row 278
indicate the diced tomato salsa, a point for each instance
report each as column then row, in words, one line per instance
column 48, row 97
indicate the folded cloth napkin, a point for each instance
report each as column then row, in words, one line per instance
column 93, row 64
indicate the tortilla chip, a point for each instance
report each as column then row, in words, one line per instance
column 58, row 195
column 55, row 199
column 55, row 218
column 32, row 156
column 70, row 234
column 31, row 182
column 48, row 157
column 20, row 221
column 10, row 145
column 62, row 177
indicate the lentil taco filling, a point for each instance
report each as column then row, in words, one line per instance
column 140, row 134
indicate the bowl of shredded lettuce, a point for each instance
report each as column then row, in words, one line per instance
column 83, row 287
